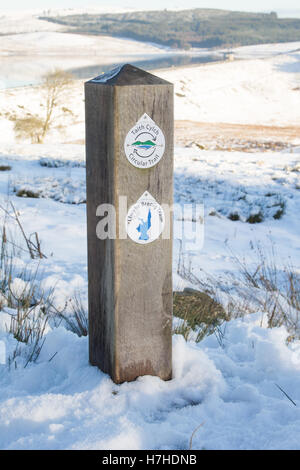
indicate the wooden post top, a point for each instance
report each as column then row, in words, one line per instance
column 128, row 75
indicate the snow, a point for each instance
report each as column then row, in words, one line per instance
column 27, row 21
column 64, row 43
column 15, row 22
column 265, row 50
column 242, row 384
column 252, row 91
column 231, row 389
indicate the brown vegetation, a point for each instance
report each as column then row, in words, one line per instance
column 237, row 137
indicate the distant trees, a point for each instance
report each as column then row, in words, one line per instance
column 188, row 28
column 34, row 126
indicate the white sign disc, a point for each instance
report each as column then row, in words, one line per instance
column 145, row 143
column 145, row 220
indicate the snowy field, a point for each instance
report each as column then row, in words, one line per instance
column 231, row 386
column 233, row 383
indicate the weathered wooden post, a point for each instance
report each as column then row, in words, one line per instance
column 129, row 153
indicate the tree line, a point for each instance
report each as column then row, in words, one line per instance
column 187, row 28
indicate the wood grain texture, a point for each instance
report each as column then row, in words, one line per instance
column 130, row 285
column 100, row 184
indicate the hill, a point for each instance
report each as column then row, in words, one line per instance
column 187, row 28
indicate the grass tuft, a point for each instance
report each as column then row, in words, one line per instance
column 27, row 193
column 200, row 313
column 234, row 216
column 255, row 218
column 76, row 320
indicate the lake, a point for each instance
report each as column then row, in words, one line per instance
column 177, row 60
column 17, row 71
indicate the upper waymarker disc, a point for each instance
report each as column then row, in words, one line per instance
column 145, row 143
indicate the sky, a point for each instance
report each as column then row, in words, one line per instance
column 250, row 5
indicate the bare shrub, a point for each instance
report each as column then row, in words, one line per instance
column 31, row 127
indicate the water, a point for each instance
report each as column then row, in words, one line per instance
column 34, row 68
column 8, row 82
column 177, row 60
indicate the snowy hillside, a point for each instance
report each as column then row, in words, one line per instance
column 250, row 92
column 27, row 21
column 254, row 91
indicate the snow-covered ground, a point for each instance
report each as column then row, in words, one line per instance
column 235, row 382
column 265, row 50
column 66, row 404
column 28, row 21
column 231, row 387
column 252, row 91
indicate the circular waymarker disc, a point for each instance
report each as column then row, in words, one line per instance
column 145, row 220
column 145, row 143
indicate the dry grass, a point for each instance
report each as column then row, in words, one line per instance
column 27, row 193
column 31, row 309
column 32, row 241
column 235, row 137
column 76, row 320
column 21, row 291
column 30, row 127
column 200, row 313
column 261, row 285
column 193, row 434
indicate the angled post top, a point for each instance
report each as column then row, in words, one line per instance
column 126, row 75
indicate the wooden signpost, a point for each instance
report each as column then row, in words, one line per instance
column 129, row 154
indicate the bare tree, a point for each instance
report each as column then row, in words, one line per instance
column 54, row 85
column 36, row 127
